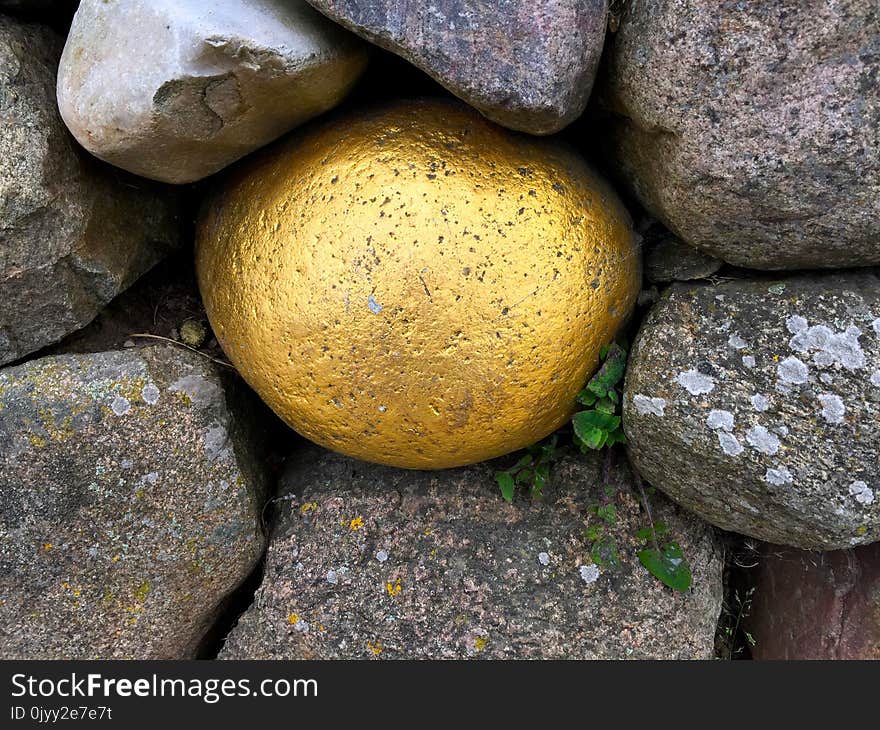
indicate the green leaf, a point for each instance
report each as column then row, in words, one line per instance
column 604, row 553
column 668, row 565
column 606, row 405
column 524, row 476
column 592, row 532
column 586, row 397
column 593, row 438
column 524, row 461
column 607, row 513
column 645, row 533
column 616, row 437
column 505, row 481
column 595, row 419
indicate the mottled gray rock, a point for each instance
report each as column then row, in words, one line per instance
column 750, row 128
column 175, row 90
column 73, row 232
column 371, row 561
column 668, row 259
column 526, row 64
column 817, row 605
column 130, row 499
column 756, row 404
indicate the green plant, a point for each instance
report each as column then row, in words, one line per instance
column 732, row 638
column 662, row 557
column 599, row 425
column 531, row 471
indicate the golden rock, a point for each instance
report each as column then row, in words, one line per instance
column 415, row 286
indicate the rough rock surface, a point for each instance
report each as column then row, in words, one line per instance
column 817, row 605
column 750, row 128
column 756, row 404
column 526, row 64
column 668, row 259
column 73, row 232
column 371, row 561
column 204, row 83
column 130, row 499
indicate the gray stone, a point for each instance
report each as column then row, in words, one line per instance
column 668, row 259
column 176, row 90
column 771, row 400
column 371, row 561
column 816, row 605
column 750, row 128
column 130, row 500
column 526, row 64
column 73, row 232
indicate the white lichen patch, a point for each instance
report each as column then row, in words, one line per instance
column 778, row 477
column 781, row 429
column 833, row 409
column 862, row 492
column 793, row 371
column 381, row 556
column 760, row 439
column 829, row 347
column 749, row 361
column 544, row 558
column 695, row 382
column 796, row 324
column 331, row 577
column 826, row 378
column 589, row 573
column 737, row 342
column 760, row 402
column 120, row 406
column 719, row 419
column 729, row 443
column 875, row 378
column 649, row 406
column 876, row 325
column 374, row 306
column 150, row 394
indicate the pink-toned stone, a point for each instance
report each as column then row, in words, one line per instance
column 817, row 605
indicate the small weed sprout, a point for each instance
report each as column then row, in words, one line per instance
column 598, row 427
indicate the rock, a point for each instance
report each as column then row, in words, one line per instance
column 817, row 605
column 756, row 403
column 415, row 286
column 526, row 65
column 203, row 85
column 369, row 561
column 130, row 501
column 668, row 259
column 73, row 232
column 750, row 129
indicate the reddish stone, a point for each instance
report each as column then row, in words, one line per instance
column 817, row 605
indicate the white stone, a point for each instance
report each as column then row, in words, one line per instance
column 176, row 90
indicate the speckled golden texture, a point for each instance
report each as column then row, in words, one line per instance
column 414, row 285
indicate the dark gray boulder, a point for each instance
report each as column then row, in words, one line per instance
column 73, row 232
column 756, row 404
column 528, row 65
column 750, row 128
column 130, row 499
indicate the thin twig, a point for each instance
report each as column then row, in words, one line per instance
column 185, row 347
column 638, row 480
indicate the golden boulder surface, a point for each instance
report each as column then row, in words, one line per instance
column 415, row 286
